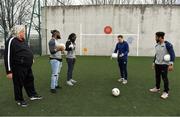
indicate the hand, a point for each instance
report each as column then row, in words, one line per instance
column 71, row 46
column 153, row 66
column 114, row 55
column 121, row 55
column 33, row 61
column 63, row 52
column 170, row 68
column 9, row 76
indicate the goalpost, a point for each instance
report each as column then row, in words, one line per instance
column 100, row 35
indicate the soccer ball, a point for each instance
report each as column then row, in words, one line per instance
column 167, row 57
column 114, row 55
column 115, row 92
column 61, row 46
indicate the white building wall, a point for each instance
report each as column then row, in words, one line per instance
column 140, row 20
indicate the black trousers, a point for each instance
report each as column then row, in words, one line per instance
column 23, row 77
column 161, row 71
column 123, row 68
column 71, row 63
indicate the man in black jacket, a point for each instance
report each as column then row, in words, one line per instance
column 18, row 60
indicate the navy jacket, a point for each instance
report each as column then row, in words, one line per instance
column 170, row 50
column 122, row 48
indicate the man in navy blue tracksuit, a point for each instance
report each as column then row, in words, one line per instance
column 122, row 48
column 160, row 65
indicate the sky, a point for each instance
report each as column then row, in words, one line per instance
column 77, row 2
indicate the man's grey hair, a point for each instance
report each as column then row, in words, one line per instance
column 16, row 30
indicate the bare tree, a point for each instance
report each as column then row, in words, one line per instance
column 170, row 1
column 164, row 2
column 104, row 2
column 56, row 2
column 35, row 25
column 13, row 12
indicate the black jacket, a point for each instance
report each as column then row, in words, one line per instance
column 17, row 53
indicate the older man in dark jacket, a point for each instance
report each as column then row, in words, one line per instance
column 18, row 60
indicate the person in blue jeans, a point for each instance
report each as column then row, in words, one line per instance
column 55, row 59
column 122, row 48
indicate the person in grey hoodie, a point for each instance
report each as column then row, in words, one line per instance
column 55, row 59
column 71, row 58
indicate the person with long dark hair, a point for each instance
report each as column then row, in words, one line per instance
column 71, row 58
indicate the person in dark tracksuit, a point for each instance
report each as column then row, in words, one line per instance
column 122, row 48
column 18, row 61
column 71, row 58
column 161, row 66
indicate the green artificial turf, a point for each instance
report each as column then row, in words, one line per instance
column 91, row 96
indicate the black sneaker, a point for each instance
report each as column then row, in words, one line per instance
column 53, row 90
column 22, row 103
column 58, row 87
column 36, row 97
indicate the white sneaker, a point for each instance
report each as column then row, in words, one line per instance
column 120, row 80
column 73, row 81
column 125, row 82
column 154, row 90
column 164, row 95
column 69, row 83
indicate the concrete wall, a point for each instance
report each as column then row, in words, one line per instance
column 138, row 23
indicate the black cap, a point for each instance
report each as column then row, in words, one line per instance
column 54, row 31
column 160, row 34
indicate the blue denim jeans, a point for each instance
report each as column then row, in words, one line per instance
column 55, row 70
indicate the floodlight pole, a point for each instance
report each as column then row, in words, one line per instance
column 39, row 25
column 31, row 21
column 38, row 2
